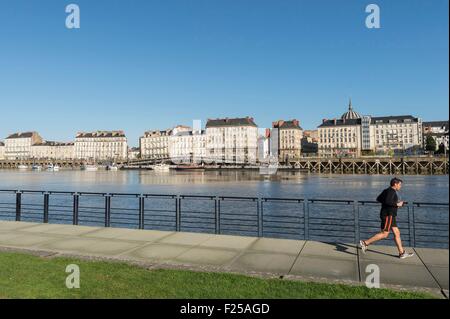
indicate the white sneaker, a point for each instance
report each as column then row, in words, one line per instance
column 405, row 255
column 363, row 246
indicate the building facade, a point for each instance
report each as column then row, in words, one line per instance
column 18, row 145
column 53, row 150
column 187, row 147
column 2, row 151
column 438, row 130
column 290, row 136
column 133, row 153
column 353, row 134
column 232, row 140
column 264, row 150
column 101, row 146
column 155, row 144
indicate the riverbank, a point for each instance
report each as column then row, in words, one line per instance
column 296, row 260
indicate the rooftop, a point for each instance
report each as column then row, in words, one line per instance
column 52, row 143
column 245, row 121
column 350, row 114
column 436, row 124
column 281, row 124
column 101, row 134
column 22, row 135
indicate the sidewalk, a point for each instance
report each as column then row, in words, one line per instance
column 292, row 259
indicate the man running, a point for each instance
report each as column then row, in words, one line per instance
column 390, row 202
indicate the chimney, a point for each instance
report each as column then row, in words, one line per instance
column 334, row 121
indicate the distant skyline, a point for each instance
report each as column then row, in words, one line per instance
column 143, row 65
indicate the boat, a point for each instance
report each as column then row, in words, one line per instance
column 36, row 167
column 112, row 167
column 53, row 168
column 161, row 167
column 89, row 167
column 22, row 166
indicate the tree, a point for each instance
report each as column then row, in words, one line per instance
column 430, row 143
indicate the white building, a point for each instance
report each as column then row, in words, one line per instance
column 133, row 153
column 155, row 144
column 353, row 134
column 18, row 145
column 101, row 146
column 438, row 130
column 53, row 150
column 232, row 140
column 187, row 146
column 264, row 146
column 2, row 150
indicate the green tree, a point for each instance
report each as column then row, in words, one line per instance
column 430, row 143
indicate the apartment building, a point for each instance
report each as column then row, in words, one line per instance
column 155, row 144
column 232, row 140
column 290, row 136
column 188, row 146
column 2, row 151
column 18, row 145
column 354, row 134
column 53, row 150
column 101, row 146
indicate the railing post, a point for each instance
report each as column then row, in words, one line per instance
column 107, row 210
column 18, row 205
column 259, row 210
column 177, row 212
column 306, row 219
column 217, row 214
column 141, row 211
column 356, row 214
column 412, row 230
column 46, row 201
column 76, row 199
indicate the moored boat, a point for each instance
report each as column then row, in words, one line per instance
column 89, row 167
column 161, row 167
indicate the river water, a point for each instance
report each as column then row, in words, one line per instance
column 242, row 215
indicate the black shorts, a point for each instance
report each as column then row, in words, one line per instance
column 387, row 222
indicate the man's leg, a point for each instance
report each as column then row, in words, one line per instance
column 386, row 223
column 398, row 240
column 381, row 235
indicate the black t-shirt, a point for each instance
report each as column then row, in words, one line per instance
column 388, row 199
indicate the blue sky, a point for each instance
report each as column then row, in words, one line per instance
column 139, row 65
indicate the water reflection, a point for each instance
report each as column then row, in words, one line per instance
column 228, row 183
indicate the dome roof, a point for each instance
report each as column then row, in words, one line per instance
column 350, row 114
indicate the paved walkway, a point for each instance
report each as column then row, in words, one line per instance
column 274, row 257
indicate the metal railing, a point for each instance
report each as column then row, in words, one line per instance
column 421, row 224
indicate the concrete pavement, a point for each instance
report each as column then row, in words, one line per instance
column 291, row 259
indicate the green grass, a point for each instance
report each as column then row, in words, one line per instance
column 27, row 276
